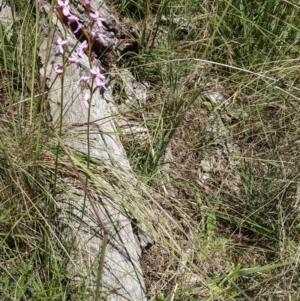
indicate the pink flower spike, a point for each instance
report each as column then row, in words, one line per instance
column 59, row 45
column 64, row 6
column 95, row 16
column 86, row 2
column 85, row 102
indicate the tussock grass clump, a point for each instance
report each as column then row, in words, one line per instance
column 32, row 258
column 223, row 119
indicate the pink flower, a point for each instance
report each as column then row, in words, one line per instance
column 99, row 83
column 72, row 18
column 78, row 28
column 86, row 101
column 73, row 59
column 84, row 79
column 84, row 45
column 64, row 6
column 95, row 16
column 93, row 55
column 99, row 78
column 96, row 73
column 86, row 2
column 58, row 70
column 97, row 35
column 59, row 45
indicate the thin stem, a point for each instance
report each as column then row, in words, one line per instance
column 61, row 113
column 35, row 55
